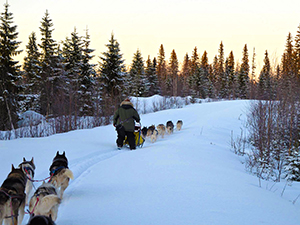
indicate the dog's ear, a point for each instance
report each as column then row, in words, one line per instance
column 24, row 160
column 31, row 160
column 64, row 154
column 12, row 167
column 57, row 153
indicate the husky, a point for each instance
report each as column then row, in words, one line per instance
column 179, row 125
column 12, row 197
column 170, row 127
column 28, row 168
column 144, row 132
column 45, row 201
column 60, row 174
column 150, row 130
column 161, row 130
column 154, row 136
column 40, row 220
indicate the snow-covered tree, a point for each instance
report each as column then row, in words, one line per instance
column 72, row 55
column 111, row 68
column 162, row 69
column 243, row 75
column 9, row 72
column 222, row 78
column 111, row 71
column 87, row 80
column 137, row 79
column 31, row 66
column 173, row 70
column 49, row 63
column 185, row 76
column 150, row 72
column 264, row 83
column 292, row 167
column 230, row 73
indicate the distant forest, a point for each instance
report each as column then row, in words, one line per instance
column 58, row 80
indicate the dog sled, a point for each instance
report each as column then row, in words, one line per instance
column 139, row 140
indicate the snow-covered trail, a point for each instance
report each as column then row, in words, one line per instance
column 189, row 177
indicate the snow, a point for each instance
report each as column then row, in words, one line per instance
column 189, row 177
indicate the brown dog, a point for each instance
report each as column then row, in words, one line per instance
column 154, row 136
column 161, row 130
column 12, row 197
column 179, row 125
column 60, row 173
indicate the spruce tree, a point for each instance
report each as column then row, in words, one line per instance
column 292, row 167
column 221, row 78
column 288, row 69
column 137, row 78
column 111, row 69
column 87, row 80
column 213, row 78
column 243, row 76
column 264, row 83
column 185, row 76
column 9, row 72
column 31, row 66
column 252, row 79
column 194, row 69
column 194, row 61
column 72, row 55
column 204, row 66
column 173, row 70
column 150, row 72
column 49, row 62
column 162, row 69
column 230, row 73
column 297, row 54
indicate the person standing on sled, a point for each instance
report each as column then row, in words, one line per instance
column 124, row 119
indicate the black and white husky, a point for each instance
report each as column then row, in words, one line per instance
column 170, row 127
column 28, row 168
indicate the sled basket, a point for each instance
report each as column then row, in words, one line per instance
column 139, row 140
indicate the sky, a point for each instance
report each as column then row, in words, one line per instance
column 177, row 24
column 189, row 177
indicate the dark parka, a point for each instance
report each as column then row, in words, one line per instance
column 126, row 114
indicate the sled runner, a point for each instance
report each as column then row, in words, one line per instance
column 139, row 140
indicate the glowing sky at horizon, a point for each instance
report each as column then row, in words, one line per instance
column 180, row 25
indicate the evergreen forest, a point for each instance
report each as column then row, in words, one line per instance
column 58, row 80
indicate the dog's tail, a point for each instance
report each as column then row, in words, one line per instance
column 69, row 174
column 48, row 202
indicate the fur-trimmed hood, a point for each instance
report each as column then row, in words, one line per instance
column 126, row 102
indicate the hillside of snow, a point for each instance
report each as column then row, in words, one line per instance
column 190, row 177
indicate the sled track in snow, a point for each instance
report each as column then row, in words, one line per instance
column 81, row 165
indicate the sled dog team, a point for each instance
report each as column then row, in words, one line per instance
column 160, row 130
column 43, row 205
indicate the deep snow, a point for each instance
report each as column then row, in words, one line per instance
column 189, row 177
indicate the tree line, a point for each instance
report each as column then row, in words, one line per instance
column 58, row 80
